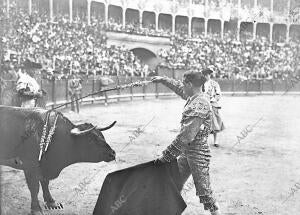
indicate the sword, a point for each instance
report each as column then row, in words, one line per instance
column 118, row 87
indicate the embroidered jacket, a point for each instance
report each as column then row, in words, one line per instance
column 195, row 125
column 211, row 88
column 195, row 128
column 176, row 86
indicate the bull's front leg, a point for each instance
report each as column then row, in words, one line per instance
column 50, row 202
column 32, row 180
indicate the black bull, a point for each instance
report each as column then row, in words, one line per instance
column 20, row 134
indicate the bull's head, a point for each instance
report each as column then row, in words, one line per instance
column 92, row 144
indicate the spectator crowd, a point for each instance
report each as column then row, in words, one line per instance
column 64, row 48
column 234, row 59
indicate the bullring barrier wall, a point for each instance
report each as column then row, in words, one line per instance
column 57, row 90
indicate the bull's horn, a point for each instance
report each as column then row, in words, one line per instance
column 77, row 132
column 108, row 127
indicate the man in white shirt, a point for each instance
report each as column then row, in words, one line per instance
column 213, row 90
column 27, row 87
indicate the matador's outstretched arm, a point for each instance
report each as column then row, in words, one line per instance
column 174, row 85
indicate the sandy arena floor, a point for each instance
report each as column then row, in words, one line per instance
column 254, row 177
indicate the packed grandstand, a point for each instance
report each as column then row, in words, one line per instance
column 63, row 47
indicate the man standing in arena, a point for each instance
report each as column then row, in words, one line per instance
column 74, row 88
column 191, row 143
column 104, row 82
column 213, row 90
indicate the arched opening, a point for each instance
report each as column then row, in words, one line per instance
column 263, row 30
column 198, row 27
column 165, row 22
column 115, row 14
column 42, row 6
column 60, row 7
column 214, row 26
column 146, row 56
column 148, row 20
column 132, row 18
column 79, row 9
column 230, row 28
column 279, row 33
column 246, row 30
column 295, row 32
column 181, row 25
column 97, row 11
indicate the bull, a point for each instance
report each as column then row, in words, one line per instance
column 20, row 132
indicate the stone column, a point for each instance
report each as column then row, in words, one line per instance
column 288, row 32
column 71, row 10
column 238, row 30
column 254, row 30
column 271, row 32
column 30, row 7
column 222, row 28
column 51, row 10
column 156, row 21
column 141, row 18
column 89, row 12
column 106, row 13
column 190, row 26
column 205, row 26
column 173, row 23
column 123, row 17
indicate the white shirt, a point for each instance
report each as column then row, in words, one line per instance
column 26, row 81
column 213, row 90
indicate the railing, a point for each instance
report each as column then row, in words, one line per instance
column 57, row 90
